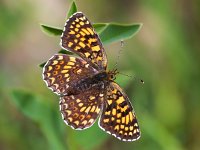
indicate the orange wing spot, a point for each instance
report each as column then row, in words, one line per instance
column 90, row 40
column 123, row 119
column 134, row 131
column 73, row 59
column 55, row 72
column 48, row 74
column 118, row 121
column 106, row 120
column 78, row 35
column 84, row 30
column 76, row 29
column 79, row 71
column 78, row 26
column 70, row 44
column 114, row 112
column 71, row 26
column 126, row 128
column 91, row 121
column 131, row 128
column 127, row 119
column 68, row 112
column 90, row 30
column 121, row 132
column 82, row 109
column 75, row 41
column 50, row 68
column 81, row 117
column 68, row 79
column 119, row 115
column 130, row 133
column 88, row 66
column 57, row 67
column 88, row 109
column 131, row 116
column 77, row 20
column 80, row 104
column 60, row 57
column 73, row 22
column 61, row 62
column 71, row 32
column 87, row 22
column 81, row 18
column 109, row 102
column 125, row 133
column 116, row 127
column 52, row 80
column 93, row 109
column 81, row 44
column 112, row 118
column 66, row 75
column 122, row 126
column 81, row 23
column 97, row 110
column 77, row 48
column 76, row 122
column 82, row 39
column 55, row 62
column 67, row 67
column 135, row 125
column 99, row 58
column 96, row 48
column 107, row 113
column 70, row 63
column 78, row 100
column 64, row 71
column 82, row 33
column 120, row 100
column 87, row 54
column 92, row 97
column 84, row 122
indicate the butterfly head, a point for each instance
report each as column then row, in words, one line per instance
column 112, row 74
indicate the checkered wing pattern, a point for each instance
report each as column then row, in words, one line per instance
column 118, row 117
column 79, row 37
column 62, row 72
column 81, row 111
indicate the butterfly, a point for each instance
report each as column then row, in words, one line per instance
column 86, row 87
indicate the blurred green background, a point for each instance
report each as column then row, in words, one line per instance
column 164, row 53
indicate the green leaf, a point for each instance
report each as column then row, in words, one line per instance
column 109, row 32
column 72, row 10
column 63, row 51
column 42, row 64
column 117, row 32
column 39, row 110
column 99, row 27
column 50, row 30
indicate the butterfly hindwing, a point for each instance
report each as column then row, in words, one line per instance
column 62, row 72
column 79, row 37
column 118, row 117
column 81, row 111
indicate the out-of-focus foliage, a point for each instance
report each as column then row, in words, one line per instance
column 165, row 54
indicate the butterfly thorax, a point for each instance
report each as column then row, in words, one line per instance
column 102, row 78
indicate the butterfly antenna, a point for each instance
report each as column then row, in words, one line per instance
column 133, row 77
column 120, row 50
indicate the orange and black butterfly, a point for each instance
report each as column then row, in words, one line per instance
column 85, row 86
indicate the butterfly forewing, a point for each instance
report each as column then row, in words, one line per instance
column 62, row 72
column 79, row 37
column 118, row 117
column 81, row 111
